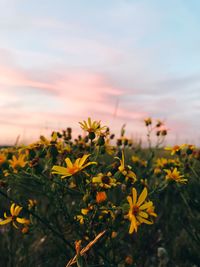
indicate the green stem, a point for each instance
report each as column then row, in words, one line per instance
column 187, row 205
column 194, row 172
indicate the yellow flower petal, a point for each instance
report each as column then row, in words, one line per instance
column 143, row 214
column 134, row 192
column 142, row 197
column 8, row 220
column 69, row 163
column 146, row 205
column 89, row 122
column 17, row 210
column 12, row 208
column 96, row 179
column 133, row 225
column 88, row 164
column 83, row 159
column 22, row 220
column 142, row 220
column 59, row 170
column 130, row 201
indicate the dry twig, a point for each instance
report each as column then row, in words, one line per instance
column 85, row 249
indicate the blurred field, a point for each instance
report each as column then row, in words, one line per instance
column 59, row 194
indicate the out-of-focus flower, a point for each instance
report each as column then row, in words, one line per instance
column 159, row 123
column 175, row 149
column 72, row 168
column 2, row 159
column 107, row 212
column 190, row 149
column 80, row 219
column 144, row 182
column 139, row 161
column 157, row 171
column 129, row 260
column 161, row 162
column 47, row 142
column 163, row 132
column 175, row 175
column 32, row 203
column 101, row 197
column 126, row 170
column 114, row 234
column 18, row 162
column 84, row 212
column 104, row 180
column 14, row 212
column 148, row 121
column 110, row 150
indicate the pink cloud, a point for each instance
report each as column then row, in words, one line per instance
column 81, row 93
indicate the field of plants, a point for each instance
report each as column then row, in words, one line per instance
column 100, row 200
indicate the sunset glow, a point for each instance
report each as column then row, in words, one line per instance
column 115, row 61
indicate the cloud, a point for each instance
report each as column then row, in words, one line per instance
column 118, row 64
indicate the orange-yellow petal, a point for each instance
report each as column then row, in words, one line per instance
column 146, row 205
column 22, row 220
column 130, row 201
column 69, row 163
column 8, row 220
column 134, row 192
column 142, row 197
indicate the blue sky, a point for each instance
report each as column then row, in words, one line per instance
column 63, row 61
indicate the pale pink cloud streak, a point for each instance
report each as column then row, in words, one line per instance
column 82, row 93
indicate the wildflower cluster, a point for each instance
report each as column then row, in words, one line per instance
column 79, row 190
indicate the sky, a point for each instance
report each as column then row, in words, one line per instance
column 118, row 61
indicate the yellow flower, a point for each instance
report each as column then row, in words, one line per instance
column 107, row 213
column 175, row 176
column 72, row 168
column 135, row 159
column 144, row 182
column 110, row 150
column 125, row 170
column 14, row 211
column 86, row 210
column 32, row 203
column 175, row 162
column 16, row 163
column 92, row 127
column 2, row 159
column 45, row 141
column 161, row 162
column 157, row 171
column 139, row 161
column 175, row 149
column 80, row 219
column 104, row 180
column 138, row 213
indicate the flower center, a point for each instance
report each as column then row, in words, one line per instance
column 106, row 180
column 73, row 169
column 135, row 210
